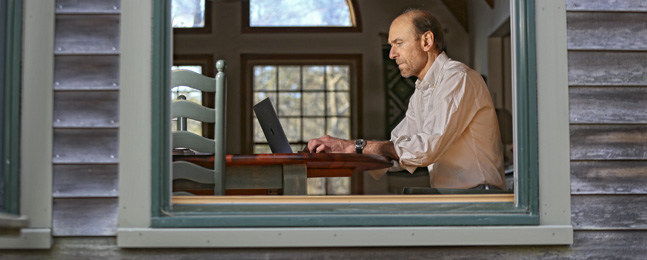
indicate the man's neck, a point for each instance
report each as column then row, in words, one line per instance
column 431, row 58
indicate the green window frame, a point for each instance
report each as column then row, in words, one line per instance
column 524, row 211
column 10, row 72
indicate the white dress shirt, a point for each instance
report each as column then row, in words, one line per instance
column 451, row 128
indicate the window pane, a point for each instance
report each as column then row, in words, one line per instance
column 313, row 103
column 299, row 13
column 289, row 104
column 337, row 77
column 292, row 128
column 262, row 148
column 338, row 127
column 313, row 77
column 339, row 104
column 313, row 128
column 265, row 78
column 187, row 13
column 260, row 96
column 289, row 77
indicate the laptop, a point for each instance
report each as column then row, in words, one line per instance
column 271, row 126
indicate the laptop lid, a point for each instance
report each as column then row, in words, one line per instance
column 272, row 127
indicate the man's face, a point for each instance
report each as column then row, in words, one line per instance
column 406, row 48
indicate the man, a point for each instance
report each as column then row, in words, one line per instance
column 450, row 126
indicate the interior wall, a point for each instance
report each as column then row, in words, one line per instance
column 227, row 42
column 483, row 21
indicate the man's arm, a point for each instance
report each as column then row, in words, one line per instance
column 329, row 144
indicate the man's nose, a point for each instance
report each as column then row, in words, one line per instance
column 392, row 54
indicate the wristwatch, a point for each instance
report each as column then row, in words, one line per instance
column 359, row 145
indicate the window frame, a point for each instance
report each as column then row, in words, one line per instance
column 250, row 60
column 12, row 48
column 140, row 224
column 524, row 211
column 355, row 19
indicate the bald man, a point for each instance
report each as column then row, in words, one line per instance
column 450, row 125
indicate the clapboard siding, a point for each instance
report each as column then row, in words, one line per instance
column 610, row 31
column 86, row 146
column 614, row 105
column 85, row 217
column 608, row 142
column 88, row 6
column 612, row 68
column 86, row 109
column 606, row 5
column 86, row 72
column 77, row 34
column 609, row 177
column 609, row 212
column 85, row 181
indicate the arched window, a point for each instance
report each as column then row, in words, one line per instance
column 300, row 16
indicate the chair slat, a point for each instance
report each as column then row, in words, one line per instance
column 193, row 80
column 182, row 139
column 183, row 108
column 192, row 172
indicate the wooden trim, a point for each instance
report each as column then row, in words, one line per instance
column 354, row 13
column 249, row 60
column 466, row 198
column 208, row 22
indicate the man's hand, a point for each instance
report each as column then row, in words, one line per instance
column 329, row 144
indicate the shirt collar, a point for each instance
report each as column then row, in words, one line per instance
column 433, row 74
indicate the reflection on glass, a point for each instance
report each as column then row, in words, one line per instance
column 313, row 103
column 313, row 77
column 337, row 77
column 292, row 128
column 187, row 13
column 299, row 13
column 313, row 128
column 289, row 104
column 338, row 104
column 264, row 77
column 289, row 77
column 338, row 127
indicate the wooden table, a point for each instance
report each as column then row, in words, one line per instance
column 287, row 172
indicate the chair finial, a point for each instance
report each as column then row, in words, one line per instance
column 221, row 65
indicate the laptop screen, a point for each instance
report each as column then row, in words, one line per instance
column 271, row 126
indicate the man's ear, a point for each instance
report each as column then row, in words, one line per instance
column 427, row 41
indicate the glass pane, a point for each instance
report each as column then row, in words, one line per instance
column 289, row 77
column 338, row 127
column 264, row 77
column 313, row 77
column 194, row 68
column 259, row 137
column 187, row 13
column 260, row 96
column 313, row 128
column 337, row 77
column 292, row 128
column 289, row 104
column 338, row 104
column 313, row 103
column 299, row 13
column 262, row 148
column 190, row 94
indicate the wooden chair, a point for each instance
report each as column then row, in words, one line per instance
column 183, row 139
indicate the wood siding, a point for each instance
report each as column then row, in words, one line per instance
column 607, row 65
column 86, row 118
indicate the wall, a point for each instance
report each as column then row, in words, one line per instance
column 227, row 42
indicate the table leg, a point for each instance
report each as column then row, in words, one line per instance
column 295, row 179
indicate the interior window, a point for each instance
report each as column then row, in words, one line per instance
column 299, row 13
column 188, row 13
column 190, row 94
